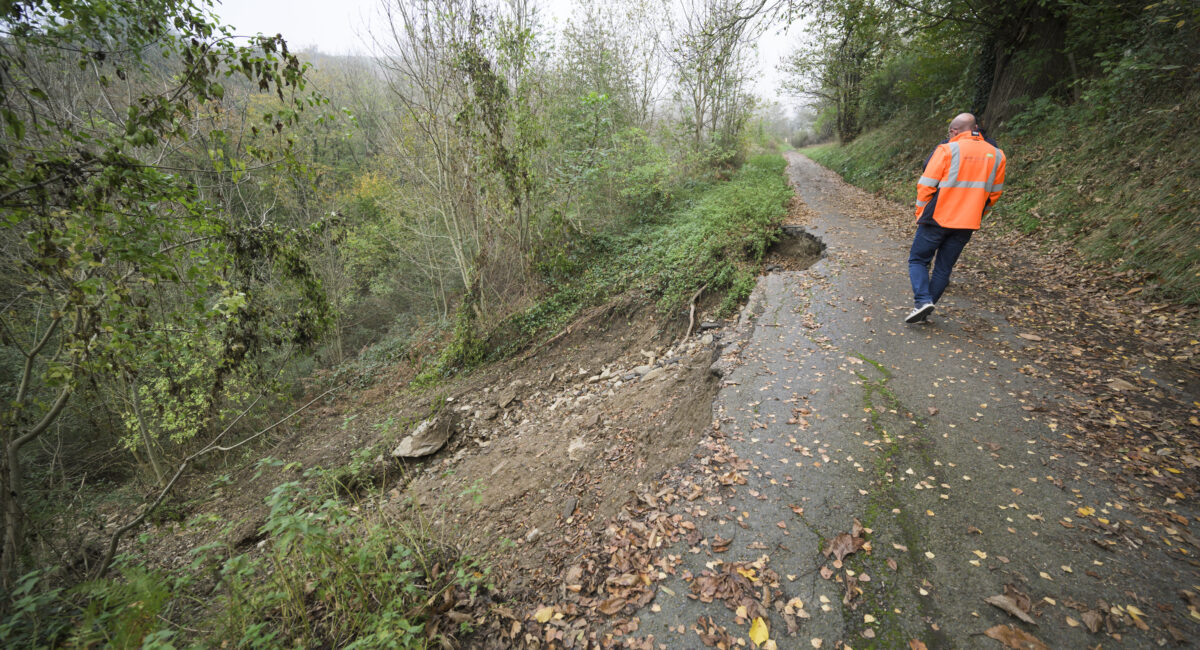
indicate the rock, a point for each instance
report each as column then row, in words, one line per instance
column 641, row 370
column 629, row 377
column 591, row 420
column 577, row 447
column 506, row 397
column 654, row 374
column 707, row 339
column 569, row 507
column 532, row 534
column 593, row 379
column 488, row 413
column 709, row 326
column 428, row 437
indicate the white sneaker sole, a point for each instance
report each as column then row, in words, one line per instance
column 919, row 315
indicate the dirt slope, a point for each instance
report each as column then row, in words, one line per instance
column 1018, row 468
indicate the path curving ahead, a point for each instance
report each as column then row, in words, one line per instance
column 931, row 437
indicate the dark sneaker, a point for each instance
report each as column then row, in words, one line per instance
column 920, row 313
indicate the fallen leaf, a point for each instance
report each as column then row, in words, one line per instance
column 1093, row 620
column 611, row 606
column 843, row 545
column 544, row 614
column 1119, row 384
column 759, row 632
column 1137, row 614
column 1007, row 604
column 916, row 644
column 1015, row 638
column 1030, row 337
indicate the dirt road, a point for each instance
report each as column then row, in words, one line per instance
column 938, row 443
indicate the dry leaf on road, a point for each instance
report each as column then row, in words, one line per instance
column 1005, row 603
column 1016, row 638
column 843, row 545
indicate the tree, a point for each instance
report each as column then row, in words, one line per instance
column 119, row 267
column 712, row 41
column 848, row 41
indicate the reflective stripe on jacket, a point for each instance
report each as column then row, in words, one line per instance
column 962, row 181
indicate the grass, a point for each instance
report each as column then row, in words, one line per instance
column 1121, row 188
column 713, row 239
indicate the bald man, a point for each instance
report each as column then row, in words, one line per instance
column 962, row 180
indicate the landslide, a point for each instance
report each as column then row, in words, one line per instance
column 607, row 384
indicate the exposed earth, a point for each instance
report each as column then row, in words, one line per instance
column 1021, row 471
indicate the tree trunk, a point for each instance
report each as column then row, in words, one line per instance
column 10, row 511
column 145, row 432
column 1029, row 60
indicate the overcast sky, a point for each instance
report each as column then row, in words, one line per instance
column 341, row 27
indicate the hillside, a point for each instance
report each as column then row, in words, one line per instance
column 1119, row 193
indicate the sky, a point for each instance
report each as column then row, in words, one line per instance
column 342, row 27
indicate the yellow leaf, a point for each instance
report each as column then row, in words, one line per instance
column 741, row 611
column 1086, row 511
column 867, row 618
column 747, row 573
column 981, row 554
column 759, row 631
column 1072, row 622
column 544, row 614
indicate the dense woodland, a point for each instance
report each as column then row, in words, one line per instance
column 199, row 227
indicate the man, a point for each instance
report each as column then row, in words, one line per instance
column 962, row 181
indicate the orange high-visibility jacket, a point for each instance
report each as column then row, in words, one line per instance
column 962, row 181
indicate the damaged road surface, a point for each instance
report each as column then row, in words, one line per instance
column 892, row 485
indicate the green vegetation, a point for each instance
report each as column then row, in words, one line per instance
column 193, row 239
column 330, row 576
column 712, row 240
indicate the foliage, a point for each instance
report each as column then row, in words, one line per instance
column 334, row 577
column 122, row 270
column 330, row 577
column 712, row 241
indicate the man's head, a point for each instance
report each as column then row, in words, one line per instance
column 962, row 123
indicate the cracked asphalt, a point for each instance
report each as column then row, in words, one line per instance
column 931, row 438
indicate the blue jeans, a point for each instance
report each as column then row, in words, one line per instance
column 946, row 244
